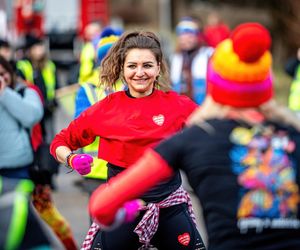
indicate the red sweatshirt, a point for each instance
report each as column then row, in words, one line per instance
column 126, row 126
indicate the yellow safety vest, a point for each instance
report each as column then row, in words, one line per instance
column 94, row 94
column 48, row 73
column 93, row 77
column 294, row 97
column 87, row 59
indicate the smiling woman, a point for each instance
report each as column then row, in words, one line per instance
column 129, row 122
column 144, row 49
column 140, row 72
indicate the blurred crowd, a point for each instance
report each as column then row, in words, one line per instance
column 207, row 65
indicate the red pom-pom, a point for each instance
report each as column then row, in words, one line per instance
column 250, row 41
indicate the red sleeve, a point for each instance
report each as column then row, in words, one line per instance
column 79, row 133
column 130, row 184
column 187, row 106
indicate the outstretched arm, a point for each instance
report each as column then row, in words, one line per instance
column 129, row 185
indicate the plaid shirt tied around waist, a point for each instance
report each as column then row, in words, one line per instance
column 148, row 225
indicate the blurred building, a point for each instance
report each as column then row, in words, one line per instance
column 64, row 20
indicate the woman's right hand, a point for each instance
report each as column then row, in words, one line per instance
column 82, row 163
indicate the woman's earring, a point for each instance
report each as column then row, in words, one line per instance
column 156, row 80
column 123, row 79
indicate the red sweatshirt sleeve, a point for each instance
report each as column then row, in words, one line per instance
column 187, row 106
column 128, row 185
column 79, row 133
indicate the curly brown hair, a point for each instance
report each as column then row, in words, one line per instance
column 112, row 65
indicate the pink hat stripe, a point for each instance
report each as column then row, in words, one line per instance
column 215, row 78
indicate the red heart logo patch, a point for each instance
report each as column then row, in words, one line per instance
column 158, row 119
column 184, row 239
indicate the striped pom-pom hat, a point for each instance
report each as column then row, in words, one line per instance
column 107, row 39
column 239, row 72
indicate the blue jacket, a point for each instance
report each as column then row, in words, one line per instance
column 17, row 113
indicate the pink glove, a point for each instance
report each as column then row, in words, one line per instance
column 125, row 214
column 81, row 163
column 132, row 209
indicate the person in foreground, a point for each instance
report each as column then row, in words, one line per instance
column 241, row 154
column 128, row 122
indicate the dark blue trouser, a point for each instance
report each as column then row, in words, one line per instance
column 17, row 173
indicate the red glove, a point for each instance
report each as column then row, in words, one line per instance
column 82, row 163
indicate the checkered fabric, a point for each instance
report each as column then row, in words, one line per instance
column 88, row 241
column 149, row 223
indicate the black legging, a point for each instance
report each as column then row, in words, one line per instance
column 176, row 231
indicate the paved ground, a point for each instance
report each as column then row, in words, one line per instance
column 72, row 202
